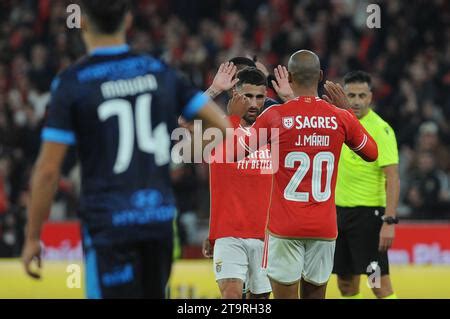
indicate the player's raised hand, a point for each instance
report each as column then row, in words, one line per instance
column 207, row 249
column 238, row 105
column 223, row 81
column 32, row 252
column 335, row 95
column 281, row 85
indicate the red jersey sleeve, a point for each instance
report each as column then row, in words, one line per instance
column 358, row 139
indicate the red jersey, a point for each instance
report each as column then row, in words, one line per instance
column 240, row 195
column 307, row 146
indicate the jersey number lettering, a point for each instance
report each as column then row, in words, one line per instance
column 150, row 141
column 290, row 192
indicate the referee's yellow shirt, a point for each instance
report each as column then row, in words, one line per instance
column 360, row 183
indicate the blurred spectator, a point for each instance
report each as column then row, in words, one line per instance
column 4, row 201
column 425, row 189
column 429, row 141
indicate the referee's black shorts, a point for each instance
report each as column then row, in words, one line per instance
column 357, row 242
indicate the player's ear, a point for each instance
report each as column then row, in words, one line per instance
column 369, row 97
column 321, row 76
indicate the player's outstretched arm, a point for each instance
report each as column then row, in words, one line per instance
column 369, row 152
column 223, row 81
column 43, row 186
column 213, row 116
column 360, row 141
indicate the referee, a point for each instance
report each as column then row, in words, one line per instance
column 366, row 199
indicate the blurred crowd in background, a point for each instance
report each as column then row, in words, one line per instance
column 408, row 58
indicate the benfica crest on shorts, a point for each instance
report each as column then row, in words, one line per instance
column 219, row 266
column 288, row 122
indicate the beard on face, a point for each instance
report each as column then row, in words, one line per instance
column 251, row 118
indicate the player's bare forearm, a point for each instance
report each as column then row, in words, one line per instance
column 43, row 186
column 392, row 189
column 212, row 92
column 213, row 116
column 387, row 232
column 210, row 116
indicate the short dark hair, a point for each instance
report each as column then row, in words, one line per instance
column 358, row 77
column 107, row 16
column 239, row 60
column 251, row 75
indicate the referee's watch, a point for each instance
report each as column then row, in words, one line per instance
column 389, row 220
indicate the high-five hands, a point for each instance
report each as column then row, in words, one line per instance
column 335, row 95
column 281, row 85
column 223, row 81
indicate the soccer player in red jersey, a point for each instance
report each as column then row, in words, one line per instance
column 240, row 194
column 224, row 80
column 302, row 226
